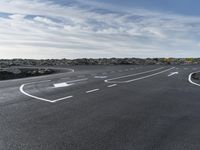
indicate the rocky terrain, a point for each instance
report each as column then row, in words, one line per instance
column 112, row 61
column 196, row 76
column 15, row 73
column 12, row 69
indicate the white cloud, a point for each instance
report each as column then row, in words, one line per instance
column 45, row 20
column 17, row 16
column 48, row 30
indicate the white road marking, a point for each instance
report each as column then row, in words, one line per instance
column 128, row 81
column 190, row 79
column 79, row 80
column 59, row 85
column 68, row 83
column 173, row 73
column 39, row 98
column 100, row 77
column 94, row 90
column 60, row 99
column 112, row 85
column 133, row 74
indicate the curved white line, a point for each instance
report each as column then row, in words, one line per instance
column 32, row 96
column 39, row 98
column 190, row 79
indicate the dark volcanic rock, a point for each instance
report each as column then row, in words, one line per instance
column 14, row 73
column 103, row 61
column 196, row 76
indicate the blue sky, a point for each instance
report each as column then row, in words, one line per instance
column 187, row 7
column 99, row 28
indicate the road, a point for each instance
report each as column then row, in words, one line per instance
column 102, row 108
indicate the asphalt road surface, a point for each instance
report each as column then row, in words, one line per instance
column 102, row 108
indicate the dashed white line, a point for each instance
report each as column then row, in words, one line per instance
column 91, row 91
column 113, row 85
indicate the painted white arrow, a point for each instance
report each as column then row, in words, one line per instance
column 59, row 85
column 173, row 73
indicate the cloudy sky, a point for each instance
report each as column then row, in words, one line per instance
column 99, row 28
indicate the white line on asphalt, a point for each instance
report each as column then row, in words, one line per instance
column 73, row 81
column 149, row 75
column 94, row 90
column 128, row 81
column 59, row 85
column 100, row 77
column 68, row 83
column 190, row 79
column 112, row 85
column 39, row 98
column 108, row 80
column 173, row 73
column 60, row 99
